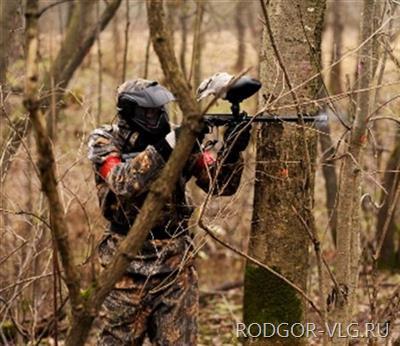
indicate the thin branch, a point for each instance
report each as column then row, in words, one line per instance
column 279, row 57
column 56, row 3
column 386, row 117
column 262, row 265
column 351, row 52
column 23, row 212
column 317, row 247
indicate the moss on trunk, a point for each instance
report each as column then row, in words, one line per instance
column 285, row 173
column 273, row 295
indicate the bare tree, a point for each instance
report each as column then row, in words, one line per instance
column 8, row 20
column 198, row 42
column 79, row 34
column 126, row 40
column 241, row 32
column 335, row 81
column 183, row 19
column 329, row 172
column 285, row 169
column 386, row 223
column 348, row 226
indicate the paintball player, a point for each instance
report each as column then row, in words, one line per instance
column 158, row 295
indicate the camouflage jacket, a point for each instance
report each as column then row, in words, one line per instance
column 123, row 190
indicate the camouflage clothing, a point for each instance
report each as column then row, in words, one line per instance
column 122, row 193
column 158, row 294
column 163, row 303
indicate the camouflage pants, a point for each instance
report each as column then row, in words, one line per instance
column 162, row 306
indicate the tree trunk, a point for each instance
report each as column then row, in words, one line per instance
column 348, row 226
column 325, row 140
column 241, row 31
column 335, row 82
column 195, row 66
column 388, row 258
column 46, row 159
column 329, row 173
column 8, row 21
column 199, row 37
column 285, row 172
column 126, row 41
column 183, row 18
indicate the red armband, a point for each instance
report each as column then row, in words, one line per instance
column 108, row 165
column 204, row 160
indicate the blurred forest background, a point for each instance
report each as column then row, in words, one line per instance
column 85, row 56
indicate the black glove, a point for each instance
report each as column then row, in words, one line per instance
column 167, row 144
column 236, row 139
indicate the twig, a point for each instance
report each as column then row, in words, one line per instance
column 44, row 9
column 30, row 279
column 47, row 327
column 318, row 66
column 352, row 51
column 278, row 56
column 6, row 257
column 336, row 97
column 16, row 325
column 262, row 265
column 292, row 92
column 23, row 212
column 385, row 117
column 317, row 247
column 381, row 106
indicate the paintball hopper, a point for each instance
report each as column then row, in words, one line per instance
column 243, row 88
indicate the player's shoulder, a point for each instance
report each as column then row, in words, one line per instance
column 101, row 142
column 101, row 134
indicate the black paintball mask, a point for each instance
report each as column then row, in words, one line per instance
column 142, row 113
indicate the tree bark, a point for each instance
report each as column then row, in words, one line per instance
column 284, row 175
column 241, row 32
column 8, row 16
column 126, row 41
column 183, row 18
column 198, row 57
column 388, row 258
column 329, row 173
column 195, row 66
column 335, row 81
column 325, row 140
column 348, row 226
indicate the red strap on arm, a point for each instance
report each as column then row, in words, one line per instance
column 204, row 160
column 108, row 165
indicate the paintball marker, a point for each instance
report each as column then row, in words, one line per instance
column 239, row 91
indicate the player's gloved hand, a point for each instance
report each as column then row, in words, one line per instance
column 236, row 139
column 166, row 145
